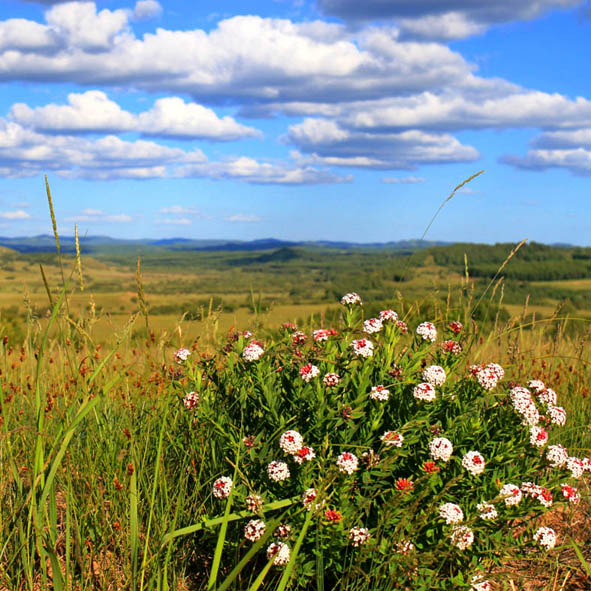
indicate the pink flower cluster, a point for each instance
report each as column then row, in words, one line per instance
column 388, row 316
column 488, row 376
column 292, row 443
column 322, row 334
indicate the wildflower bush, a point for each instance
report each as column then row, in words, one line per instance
column 371, row 455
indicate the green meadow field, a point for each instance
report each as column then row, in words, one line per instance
column 129, row 467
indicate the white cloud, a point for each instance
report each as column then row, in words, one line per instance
column 18, row 34
column 146, row 9
column 175, row 221
column 80, row 26
column 401, row 150
column 18, row 214
column 577, row 160
column 243, row 218
column 98, row 216
column 415, row 14
column 24, row 152
column 93, row 111
column 407, row 180
column 181, row 210
column 172, row 117
column 264, row 173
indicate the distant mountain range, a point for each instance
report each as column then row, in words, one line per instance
column 90, row 244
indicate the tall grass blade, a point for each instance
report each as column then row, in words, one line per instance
column 448, row 198
column 294, row 554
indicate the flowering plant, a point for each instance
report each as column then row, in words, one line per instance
column 403, row 457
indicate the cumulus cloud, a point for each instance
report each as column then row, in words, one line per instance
column 458, row 17
column 25, row 152
column 18, row 214
column 333, row 145
column 577, row 160
column 93, row 111
column 244, row 59
column 146, row 9
column 81, row 26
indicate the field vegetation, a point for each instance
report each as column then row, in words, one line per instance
column 163, row 419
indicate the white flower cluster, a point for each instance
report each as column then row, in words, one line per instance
column 538, row 436
column 434, row 375
column 424, row 391
column 222, row 487
column 479, row 584
column 379, row 393
column 304, row 454
column 252, row 352
column 331, row 379
column 359, row 536
column 487, row 511
column 254, row 530
column 557, row 456
column 545, row 537
column 570, row 493
column 537, row 492
column 181, row 355
column 278, row 471
column 451, row 512
column 462, row 537
column 372, row 325
column 290, row 442
column 308, row 372
column 511, row 494
column 392, row 438
column 351, row 299
column 280, row 551
column 362, row 347
column 576, row 467
column 427, row 331
column 347, row 462
column 474, row 463
column 441, row 448
column 557, row 415
column 524, row 404
column 490, row 375
column 191, row 400
column 388, row 316
column 254, row 503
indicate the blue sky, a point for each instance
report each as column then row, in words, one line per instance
column 297, row 119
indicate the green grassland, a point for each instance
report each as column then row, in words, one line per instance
column 224, row 289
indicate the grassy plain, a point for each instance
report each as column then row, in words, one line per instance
column 103, row 406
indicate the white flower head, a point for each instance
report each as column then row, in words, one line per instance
column 441, row 448
column 434, row 375
column 427, row 331
column 474, row 463
column 278, row 471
